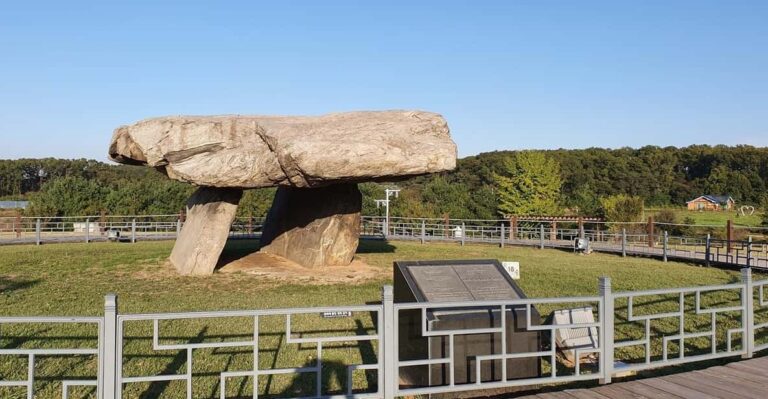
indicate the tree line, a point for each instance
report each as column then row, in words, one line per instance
column 484, row 186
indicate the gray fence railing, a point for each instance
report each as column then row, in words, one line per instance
column 629, row 240
column 670, row 326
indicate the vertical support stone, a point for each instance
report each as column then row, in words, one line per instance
column 314, row 227
column 501, row 236
column 202, row 238
column 665, row 244
column 748, row 313
column 708, row 249
column 541, row 236
column 606, row 330
column 109, row 361
column 87, row 230
column 463, row 233
column 649, row 230
column 446, row 226
column 581, row 227
column 749, row 251
column 423, row 231
column 624, row 242
column 133, row 231
column 390, row 347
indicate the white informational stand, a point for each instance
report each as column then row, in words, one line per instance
column 570, row 339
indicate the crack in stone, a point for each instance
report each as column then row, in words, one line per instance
column 289, row 167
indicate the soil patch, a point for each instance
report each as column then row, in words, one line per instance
column 284, row 270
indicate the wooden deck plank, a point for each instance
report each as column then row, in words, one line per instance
column 747, row 368
column 611, row 391
column 618, row 391
column 585, row 394
column 738, row 373
column 745, row 379
column 676, row 389
column 647, row 391
column 742, row 386
column 707, row 386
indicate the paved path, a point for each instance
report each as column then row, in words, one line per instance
column 745, row 379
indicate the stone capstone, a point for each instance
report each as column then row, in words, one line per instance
column 314, row 227
column 296, row 151
column 210, row 212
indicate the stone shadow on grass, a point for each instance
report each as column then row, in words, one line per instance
column 236, row 249
column 9, row 285
column 375, row 247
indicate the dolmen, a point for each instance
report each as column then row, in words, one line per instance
column 315, row 162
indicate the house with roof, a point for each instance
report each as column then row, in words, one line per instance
column 711, row 203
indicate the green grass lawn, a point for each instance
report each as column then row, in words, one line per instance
column 72, row 279
column 717, row 218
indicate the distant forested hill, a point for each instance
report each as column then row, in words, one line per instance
column 661, row 176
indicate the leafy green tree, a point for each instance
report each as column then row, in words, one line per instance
column 764, row 210
column 68, row 196
column 256, row 202
column 622, row 208
column 529, row 185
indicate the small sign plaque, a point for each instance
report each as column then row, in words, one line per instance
column 336, row 314
column 513, row 269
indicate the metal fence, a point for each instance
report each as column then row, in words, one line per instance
column 670, row 327
column 626, row 238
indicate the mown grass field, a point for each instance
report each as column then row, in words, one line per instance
column 72, row 279
column 717, row 218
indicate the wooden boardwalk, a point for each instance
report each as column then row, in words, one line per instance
column 746, row 379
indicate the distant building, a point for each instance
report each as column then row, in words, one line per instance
column 14, row 204
column 711, row 203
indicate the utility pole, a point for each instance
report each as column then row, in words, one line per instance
column 387, row 193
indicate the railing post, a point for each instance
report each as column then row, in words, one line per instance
column 38, row 227
column 749, row 251
column 748, row 314
column 463, row 233
column 133, row 231
column 501, row 237
column 624, row 242
column 87, row 230
column 423, row 231
column 729, row 235
column 649, row 230
column 390, row 370
column 606, row 330
column 109, row 361
column 666, row 244
column 541, row 236
column 708, row 249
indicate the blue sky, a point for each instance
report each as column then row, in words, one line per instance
column 506, row 75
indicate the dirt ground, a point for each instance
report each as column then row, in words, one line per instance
column 278, row 268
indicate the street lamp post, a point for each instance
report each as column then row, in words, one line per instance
column 388, row 193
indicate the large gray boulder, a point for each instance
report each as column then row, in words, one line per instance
column 300, row 152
